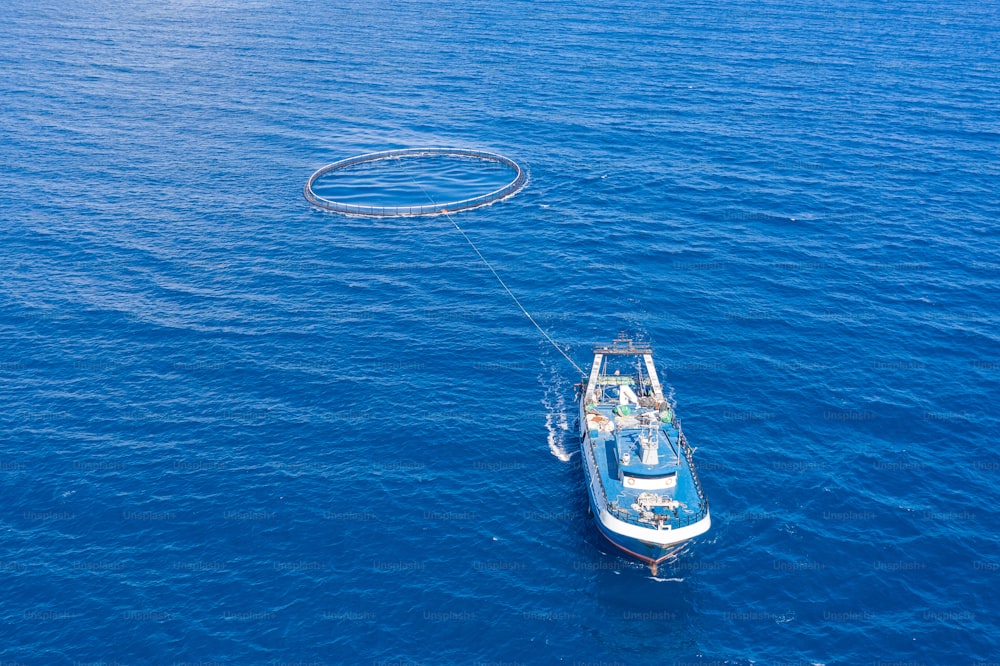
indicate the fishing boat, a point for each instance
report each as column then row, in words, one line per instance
column 645, row 495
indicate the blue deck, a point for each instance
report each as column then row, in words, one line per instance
column 673, row 456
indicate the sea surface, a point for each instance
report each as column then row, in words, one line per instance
column 235, row 429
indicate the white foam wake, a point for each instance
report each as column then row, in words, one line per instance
column 556, row 418
column 669, row 397
column 557, row 427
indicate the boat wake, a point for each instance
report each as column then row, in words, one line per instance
column 556, row 417
column 670, row 397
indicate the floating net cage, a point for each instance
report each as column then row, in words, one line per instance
column 410, row 210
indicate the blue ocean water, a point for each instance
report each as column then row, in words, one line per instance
column 238, row 430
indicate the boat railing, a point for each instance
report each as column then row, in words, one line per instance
column 689, row 454
column 624, row 345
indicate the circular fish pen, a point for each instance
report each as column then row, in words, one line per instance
column 411, row 210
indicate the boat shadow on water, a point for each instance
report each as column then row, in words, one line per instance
column 642, row 614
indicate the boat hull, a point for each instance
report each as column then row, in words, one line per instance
column 645, row 551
